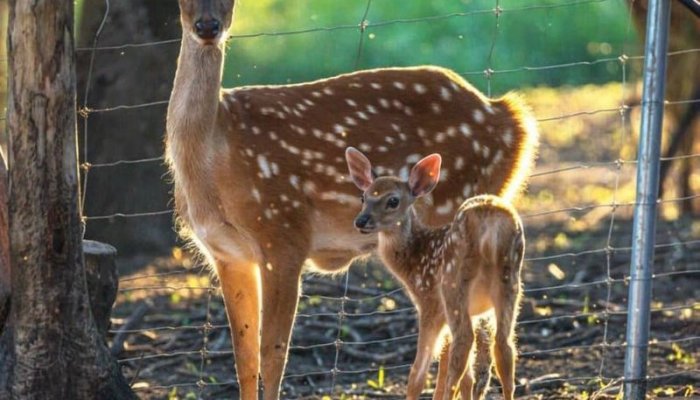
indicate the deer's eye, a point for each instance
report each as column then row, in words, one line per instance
column 393, row 202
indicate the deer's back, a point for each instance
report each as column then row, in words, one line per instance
column 294, row 136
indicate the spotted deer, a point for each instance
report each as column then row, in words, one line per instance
column 259, row 182
column 453, row 273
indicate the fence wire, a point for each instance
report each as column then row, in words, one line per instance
column 347, row 333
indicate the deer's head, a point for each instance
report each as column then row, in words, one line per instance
column 387, row 200
column 207, row 21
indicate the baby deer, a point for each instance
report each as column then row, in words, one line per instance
column 453, row 273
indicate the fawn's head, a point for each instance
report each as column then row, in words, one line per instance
column 387, row 200
column 207, row 21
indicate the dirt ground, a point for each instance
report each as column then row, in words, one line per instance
column 570, row 337
column 175, row 343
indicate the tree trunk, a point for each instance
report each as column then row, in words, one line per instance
column 50, row 347
column 3, row 72
column 127, row 76
column 5, row 276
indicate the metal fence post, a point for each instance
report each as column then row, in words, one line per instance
column 643, row 235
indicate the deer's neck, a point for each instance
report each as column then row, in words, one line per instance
column 194, row 101
column 397, row 246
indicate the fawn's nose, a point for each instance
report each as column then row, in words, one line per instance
column 207, row 28
column 361, row 221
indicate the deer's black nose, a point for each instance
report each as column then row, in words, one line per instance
column 361, row 221
column 207, row 28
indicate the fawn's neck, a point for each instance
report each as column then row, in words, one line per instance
column 194, row 101
column 397, row 245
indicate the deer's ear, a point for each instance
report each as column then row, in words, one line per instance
column 425, row 175
column 360, row 168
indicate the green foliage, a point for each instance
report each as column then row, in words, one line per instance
column 456, row 34
column 680, row 356
column 379, row 383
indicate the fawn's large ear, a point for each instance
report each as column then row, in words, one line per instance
column 425, row 175
column 360, row 168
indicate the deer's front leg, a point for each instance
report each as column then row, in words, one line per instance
column 429, row 327
column 280, row 298
column 240, row 285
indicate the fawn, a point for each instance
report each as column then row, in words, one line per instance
column 259, row 182
column 453, row 273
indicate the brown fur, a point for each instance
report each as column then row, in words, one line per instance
column 454, row 274
column 473, row 266
column 258, row 181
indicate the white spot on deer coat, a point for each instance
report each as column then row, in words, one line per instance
column 256, row 194
column 413, row 158
column 508, row 137
column 338, row 128
column 399, row 85
column 459, row 163
column 351, row 102
column 403, row 172
column 294, row 181
column 264, row 166
column 419, row 88
column 467, row 191
column 479, row 116
column 465, row 129
column 375, row 85
column 445, row 209
column 365, row 147
column 445, row 93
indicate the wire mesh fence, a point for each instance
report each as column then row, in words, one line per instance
column 355, row 334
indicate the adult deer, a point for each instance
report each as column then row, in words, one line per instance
column 258, row 171
column 453, row 273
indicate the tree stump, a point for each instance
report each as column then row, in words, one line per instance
column 102, row 282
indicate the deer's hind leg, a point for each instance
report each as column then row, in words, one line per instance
column 482, row 359
column 506, row 303
column 459, row 374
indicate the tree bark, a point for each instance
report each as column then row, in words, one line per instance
column 127, row 76
column 5, row 272
column 3, row 72
column 50, row 347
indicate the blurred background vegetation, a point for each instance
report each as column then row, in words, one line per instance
column 566, row 56
column 460, row 34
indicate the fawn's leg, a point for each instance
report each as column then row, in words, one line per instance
column 240, row 285
column 457, row 311
column 280, row 298
column 506, row 303
column 442, row 372
column 429, row 327
column 482, row 361
column 504, row 348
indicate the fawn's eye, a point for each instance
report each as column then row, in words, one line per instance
column 393, row 202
